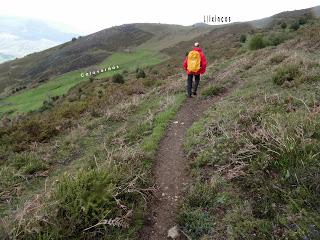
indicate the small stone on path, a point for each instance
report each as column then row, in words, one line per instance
column 173, row 232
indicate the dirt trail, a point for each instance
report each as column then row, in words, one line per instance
column 170, row 170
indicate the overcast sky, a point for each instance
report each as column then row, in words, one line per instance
column 89, row 16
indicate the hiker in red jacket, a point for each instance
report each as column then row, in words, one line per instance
column 195, row 64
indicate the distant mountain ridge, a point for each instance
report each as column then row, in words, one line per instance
column 88, row 51
column 22, row 36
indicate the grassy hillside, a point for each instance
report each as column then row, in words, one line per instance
column 254, row 157
column 33, row 99
column 165, row 35
column 126, row 56
column 106, row 141
column 91, row 50
column 82, row 52
column 79, row 167
column 134, row 59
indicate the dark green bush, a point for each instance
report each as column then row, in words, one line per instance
column 294, row 26
column 243, row 38
column 275, row 39
column 117, row 78
column 257, row 42
column 140, row 74
column 285, row 73
column 302, row 21
column 283, row 25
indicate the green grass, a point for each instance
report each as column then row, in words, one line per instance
column 132, row 60
column 32, row 99
column 151, row 143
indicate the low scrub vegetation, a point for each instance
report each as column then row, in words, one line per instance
column 140, row 73
column 259, row 41
column 88, row 160
column 118, row 78
column 254, row 159
column 243, row 38
column 286, row 73
column 213, row 90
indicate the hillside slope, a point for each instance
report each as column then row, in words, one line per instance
column 91, row 50
column 83, row 52
column 82, row 165
column 254, row 157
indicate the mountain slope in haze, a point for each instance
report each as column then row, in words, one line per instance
column 21, row 36
column 5, row 57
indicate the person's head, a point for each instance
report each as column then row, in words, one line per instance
column 196, row 44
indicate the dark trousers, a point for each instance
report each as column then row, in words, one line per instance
column 196, row 84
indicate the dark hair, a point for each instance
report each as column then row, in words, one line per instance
column 187, row 53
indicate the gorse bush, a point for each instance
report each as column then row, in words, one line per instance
column 243, row 38
column 302, row 21
column 294, row 26
column 283, row 25
column 140, row 73
column 256, row 42
column 275, row 39
column 259, row 41
column 118, row 78
column 285, row 73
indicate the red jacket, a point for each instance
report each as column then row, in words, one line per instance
column 203, row 62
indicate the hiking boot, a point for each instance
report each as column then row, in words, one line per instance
column 194, row 93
